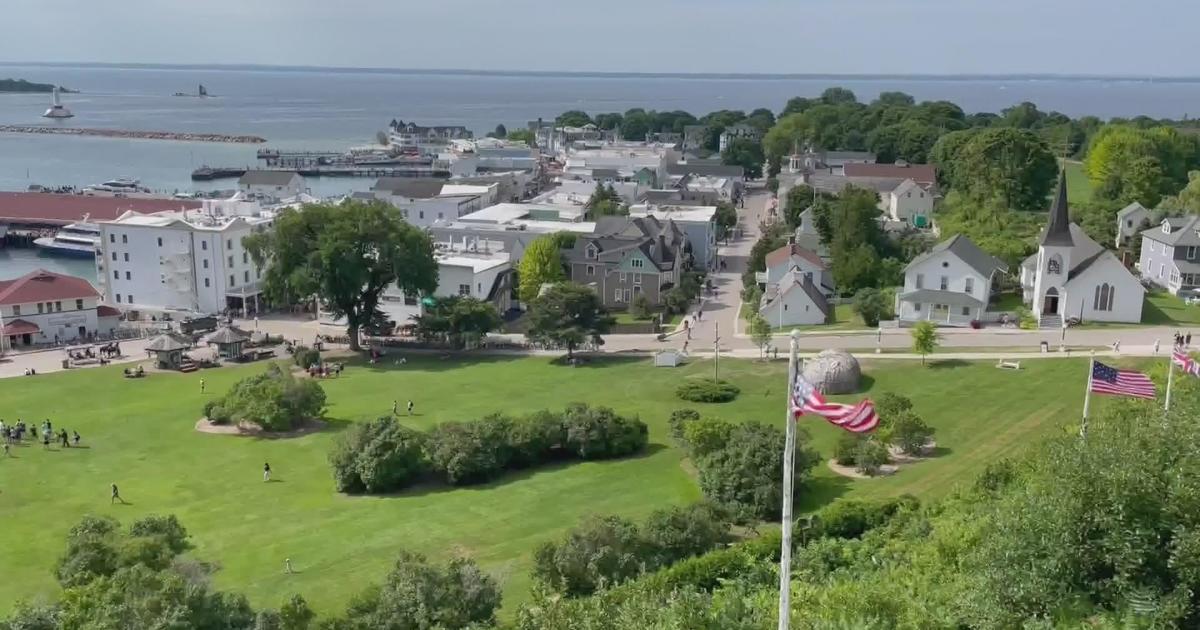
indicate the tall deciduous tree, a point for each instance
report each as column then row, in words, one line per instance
column 568, row 315
column 747, row 154
column 760, row 332
column 924, row 339
column 346, row 255
column 540, row 264
column 1012, row 165
column 573, row 118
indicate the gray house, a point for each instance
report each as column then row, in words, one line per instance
column 629, row 256
column 1171, row 254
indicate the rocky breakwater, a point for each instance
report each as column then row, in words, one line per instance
column 177, row 136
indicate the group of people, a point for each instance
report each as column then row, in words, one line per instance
column 1183, row 340
column 14, row 434
column 325, row 370
column 396, row 407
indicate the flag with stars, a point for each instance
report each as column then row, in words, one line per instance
column 1109, row 380
column 860, row 418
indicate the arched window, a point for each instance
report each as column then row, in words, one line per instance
column 1054, row 265
column 1103, row 299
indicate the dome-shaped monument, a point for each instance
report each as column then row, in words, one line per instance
column 833, row 372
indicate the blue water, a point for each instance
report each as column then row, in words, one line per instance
column 18, row 261
column 333, row 110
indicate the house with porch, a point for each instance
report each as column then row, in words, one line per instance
column 1171, row 254
column 629, row 256
column 949, row 285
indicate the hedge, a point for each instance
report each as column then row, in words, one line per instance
column 707, row 390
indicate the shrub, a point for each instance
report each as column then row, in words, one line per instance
column 746, row 476
column 601, row 550
column 910, row 433
column 535, row 438
column 851, row 518
column 890, row 404
column 471, row 452
column 1025, row 318
column 678, row 422
column 870, row 457
column 599, row 433
column 304, row 356
column 216, row 412
column 707, row 390
column 675, row 533
column 846, row 450
column 378, row 456
column 707, row 435
column 640, row 307
column 274, row 400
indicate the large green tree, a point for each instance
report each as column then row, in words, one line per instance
column 541, row 264
column 346, row 255
column 568, row 315
column 1127, row 163
column 746, row 153
column 573, row 118
column 1012, row 165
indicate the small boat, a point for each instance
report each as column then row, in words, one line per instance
column 120, row 185
column 57, row 109
column 79, row 240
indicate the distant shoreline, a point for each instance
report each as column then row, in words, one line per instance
column 616, row 75
column 23, row 86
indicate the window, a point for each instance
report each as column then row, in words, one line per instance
column 624, row 276
column 944, row 283
column 257, row 273
column 636, row 263
column 112, row 238
column 160, row 241
column 246, row 276
column 966, row 311
column 1129, row 223
column 410, row 300
column 206, row 283
column 231, row 261
column 591, row 252
column 617, row 296
column 920, row 281
column 79, row 305
column 40, row 307
column 1103, row 299
column 57, row 307
column 129, row 298
column 124, row 238
column 128, row 276
column 626, row 295
column 421, row 214
column 245, row 258
column 637, row 278
column 228, row 243
column 1191, row 252
column 206, row 263
column 204, row 245
column 126, row 255
column 114, row 256
column 591, row 270
column 969, row 285
column 118, row 300
column 1166, row 226
column 116, row 275
column 1054, row 265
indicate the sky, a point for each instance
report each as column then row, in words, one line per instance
column 742, row 36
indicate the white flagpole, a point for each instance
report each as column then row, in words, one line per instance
column 1087, row 395
column 789, row 452
column 1170, row 379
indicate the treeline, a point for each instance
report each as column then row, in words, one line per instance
column 24, row 86
column 385, row 456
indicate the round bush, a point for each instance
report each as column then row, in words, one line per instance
column 304, row 356
column 707, row 390
column 216, row 412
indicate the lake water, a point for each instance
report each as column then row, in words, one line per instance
column 18, row 261
column 336, row 109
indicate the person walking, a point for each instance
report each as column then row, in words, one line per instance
column 76, row 437
column 287, row 566
column 201, row 386
column 410, row 407
column 116, row 496
column 395, row 407
column 1187, row 340
column 46, row 441
column 266, row 471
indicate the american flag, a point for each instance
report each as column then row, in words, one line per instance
column 860, row 418
column 1186, row 363
column 1110, row 380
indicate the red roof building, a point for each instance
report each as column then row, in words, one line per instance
column 923, row 174
column 36, row 208
column 45, row 307
column 45, row 286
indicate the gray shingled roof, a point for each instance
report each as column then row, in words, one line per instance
column 615, row 236
column 968, row 252
column 836, row 183
column 1058, row 230
column 706, row 170
column 168, row 343
column 413, row 188
column 933, row 296
column 1183, row 231
column 1133, row 207
column 1084, row 252
column 267, row 178
column 791, row 280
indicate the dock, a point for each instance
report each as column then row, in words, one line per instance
column 128, row 134
column 206, row 173
column 294, row 160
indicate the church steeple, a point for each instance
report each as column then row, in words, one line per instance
column 1058, row 230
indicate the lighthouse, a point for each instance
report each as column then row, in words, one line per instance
column 57, row 109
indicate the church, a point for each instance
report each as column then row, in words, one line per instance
column 1073, row 277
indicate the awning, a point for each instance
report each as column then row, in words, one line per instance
column 105, row 310
column 20, row 327
column 931, row 296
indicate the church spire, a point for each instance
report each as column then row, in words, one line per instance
column 1058, row 230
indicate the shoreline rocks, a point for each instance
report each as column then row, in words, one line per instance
column 176, row 136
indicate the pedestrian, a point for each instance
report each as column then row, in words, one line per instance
column 287, row 566
column 775, row 352
column 64, row 438
column 266, row 471
column 1155, row 346
column 395, row 407
column 6, row 453
column 116, row 496
column 1116, row 346
column 201, row 386
column 410, row 407
column 76, row 437
column 46, row 441
column 685, row 345
column 1187, row 340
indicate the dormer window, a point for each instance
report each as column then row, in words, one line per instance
column 651, row 249
column 591, row 252
column 1166, row 226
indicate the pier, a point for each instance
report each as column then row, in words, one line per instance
column 206, row 173
column 177, row 136
column 294, row 160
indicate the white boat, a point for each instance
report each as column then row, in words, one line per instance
column 81, row 240
column 122, row 186
column 57, row 109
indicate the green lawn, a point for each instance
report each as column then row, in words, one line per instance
column 1159, row 309
column 1006, row 303
column 1079, row 187
column 626, row 317
column 844, row 318
column 140, row 435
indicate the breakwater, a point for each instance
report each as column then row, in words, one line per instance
column 177, row 136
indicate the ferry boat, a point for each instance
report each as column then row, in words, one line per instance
column 80, row 240
column 57, row 109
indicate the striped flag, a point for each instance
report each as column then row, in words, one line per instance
column 1110, row 380
column 860, row 418
column 1186, row 363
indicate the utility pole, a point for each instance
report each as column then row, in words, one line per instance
column 716, row 351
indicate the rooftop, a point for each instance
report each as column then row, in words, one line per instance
column 41, row 286
column 687, row 214
column 920, row 173
column 56, row 209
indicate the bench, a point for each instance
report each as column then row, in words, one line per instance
column 1008, row 365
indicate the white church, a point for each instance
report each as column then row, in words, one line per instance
column 1073, row 277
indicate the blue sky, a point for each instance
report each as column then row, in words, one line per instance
column 793, row 36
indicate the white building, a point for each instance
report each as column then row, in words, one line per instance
column 949, row 285
column 190, row 262
column 425, row 202
column 698, row 224
column 794, row 301
column 476, row 269
column 272, row 185
column 1131, row 220
column 46, row 307
column 737, row 132
column 1073, row 276
column 795, row 258
column 909, row 203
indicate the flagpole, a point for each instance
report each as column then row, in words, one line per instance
column 1087, row 395
column 789, row 451
column 1170, row 378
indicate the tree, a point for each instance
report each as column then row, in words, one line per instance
column 745, row 475
column 872, row 306
column 1012, row 165
column 599, row 551
column 500, row 132
column 747, row 154
column 458, row 319
column 274, row 400
column 541, row 264
column 573, row 118
column 1188, row 199
column 609, row 122
column 760, row 331
column 640, row 308
column 674, row 533
column 924, row 339
column 855, row 239
column 568, row 315
column 870, row 456
column 140, row 597
column 706, row 435
column 378, row 456
column 346, row 255
column 522, row 135
column 726, row 217
column 1127, row 164
column 417, row 594
column 909, row 432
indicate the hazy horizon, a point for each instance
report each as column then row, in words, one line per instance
column 797, row 37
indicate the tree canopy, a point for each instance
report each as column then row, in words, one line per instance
column 540, row 264
column 568, row 315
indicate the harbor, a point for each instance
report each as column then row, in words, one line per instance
column 129, row 134
column 207, row 173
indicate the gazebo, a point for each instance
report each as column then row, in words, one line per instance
column 228, row 340
column 168, row 350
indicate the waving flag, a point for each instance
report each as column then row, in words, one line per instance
column 1110, row 380
column 1186, row 363
column 860, row 418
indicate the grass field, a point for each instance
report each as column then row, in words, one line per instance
column 139, row 434
column 1079, row 187
column 1160, row 309
column 844, row 318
